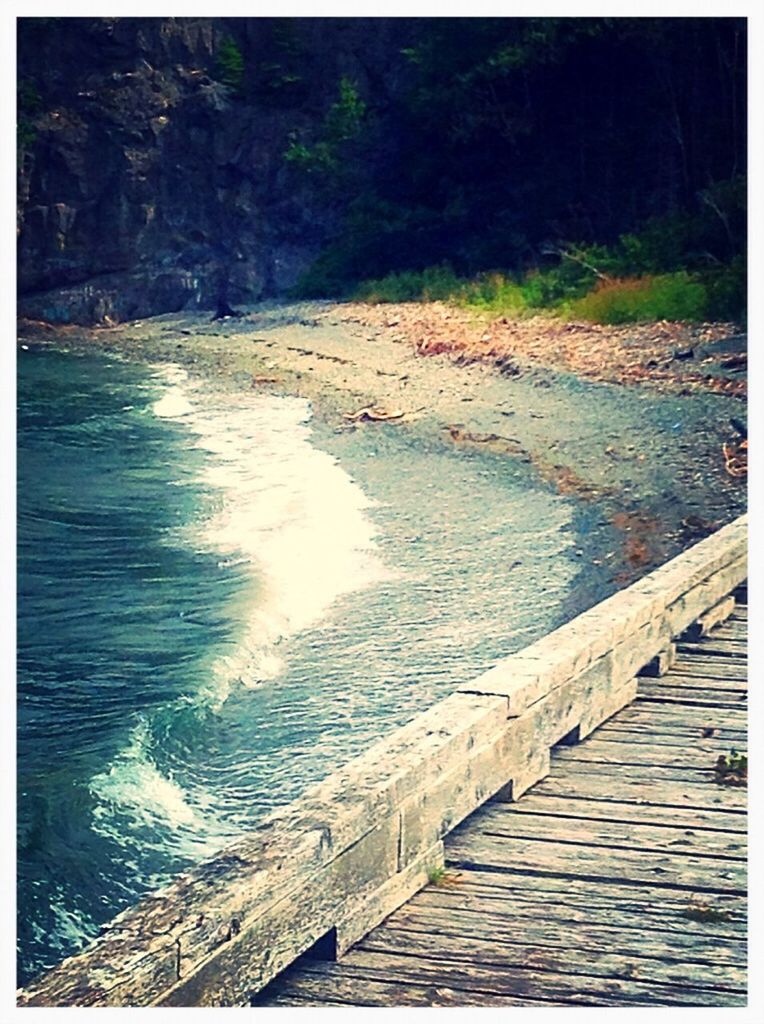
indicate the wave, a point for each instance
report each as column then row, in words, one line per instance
column 287, row 515
column 175, row 401
column 286, row 510
column 155, row 805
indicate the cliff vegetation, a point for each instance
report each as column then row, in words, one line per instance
column 588, row 167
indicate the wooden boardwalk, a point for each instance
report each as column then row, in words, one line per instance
column 619, row 880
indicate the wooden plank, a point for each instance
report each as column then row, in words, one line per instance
column 699, row 697
column 639, row 713
column 487, row 938
column 645, row 910
column 512, row 886
column 633, row 867
column 334, row 987
column 673, row 736
column 731, row 652
column 670, row 740
column 679, row 696
column 671, row 743
column 650, row 792
column 644, row 772
column 611, row 752
column 706, row 677
column 723, row 669
column 687, row 723
column 526, row 983
column 725, row 723
column 726, row 691
column 504, row 820
column 734, row 632
column 540, row 802
column 640, row 718
column 735, row 717
column 712, row 649
column 720, row 650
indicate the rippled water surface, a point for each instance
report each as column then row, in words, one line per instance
column 221, row 601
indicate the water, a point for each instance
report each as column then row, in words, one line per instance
column 221, row 601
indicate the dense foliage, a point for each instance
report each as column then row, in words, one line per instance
column 565, row 153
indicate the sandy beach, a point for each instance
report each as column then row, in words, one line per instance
column 632, row 419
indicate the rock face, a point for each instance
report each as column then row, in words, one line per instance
column 150, row 180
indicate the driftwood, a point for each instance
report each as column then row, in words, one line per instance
column 375, row 413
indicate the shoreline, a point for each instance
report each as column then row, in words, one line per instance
column 590, row 441
column 642, row 445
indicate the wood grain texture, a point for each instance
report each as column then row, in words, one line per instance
column 618, row 880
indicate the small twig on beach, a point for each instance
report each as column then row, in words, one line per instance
column 736, row 458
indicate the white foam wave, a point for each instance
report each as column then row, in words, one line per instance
column 136, row 787
column 289, row 512
column 287, row 509
column 175, row 402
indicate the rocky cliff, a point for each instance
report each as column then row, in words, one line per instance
column 151, row 157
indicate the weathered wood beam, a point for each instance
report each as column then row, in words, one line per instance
column 361, row 842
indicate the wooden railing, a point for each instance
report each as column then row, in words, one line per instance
column 324, row 870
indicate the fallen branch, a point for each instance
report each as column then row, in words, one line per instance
column 575, row 257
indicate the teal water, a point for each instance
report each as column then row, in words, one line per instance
column 221, row 601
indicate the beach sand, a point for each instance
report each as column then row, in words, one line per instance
column 632, row 419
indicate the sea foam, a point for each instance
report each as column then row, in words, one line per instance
column 288, row 515
column 287, row 509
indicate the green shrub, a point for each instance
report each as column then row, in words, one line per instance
column 342, row 124
column 544, row 289
column 678, row 296
column 494, row 292
column 345, row 117
column 230, row 64
column 505, row 294
column 659, row 247
column 726, row 288
column 432, row 284
column 325, row 278
column 310, row 159
column 569, row 290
